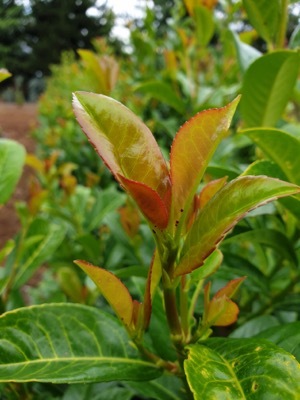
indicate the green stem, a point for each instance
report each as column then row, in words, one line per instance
column 283, row 24
column 184, row 311
column 172, row 314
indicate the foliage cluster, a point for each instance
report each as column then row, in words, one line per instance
column 206, row 302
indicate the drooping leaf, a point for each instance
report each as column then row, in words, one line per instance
column 267, row 87
column 124, row 143
column 192, row 150
column 12, row 158
column 240, row 369
column 286, row 336
column 114, row 291
column 163, row 92
column 67, row 343
column 264, row 16
column 223, row 211
column 281, row 147
column 246, row 54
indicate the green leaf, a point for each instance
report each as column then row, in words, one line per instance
column 127, row 147
column 240, row 369
column 267, row 87
column 269, row 168
column 264, row 16
column 210, row 266
column 49, row 237
column 67, row 343
column 223, row 211
column 166, row 387
column 12, row 157
column 246, row 54
column 163, row 92
column 97, row 391
column 4, row 74
column 254, row 326
column 271, row 238
column 114, row 291
column 294, row 42
column 192, row 150
column 281, row 147
column 204, row 24
column 286, row 336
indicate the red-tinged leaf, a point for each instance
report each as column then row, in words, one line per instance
column 231, row 288
column 222, row 312
column 116, row 294
column 192, row 150
column 223, row 211
column 153, row 280
column 122, row 140
column 148, row 200
column 210, row 190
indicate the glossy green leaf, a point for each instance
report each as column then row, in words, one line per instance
column 246, row 54
column 12, row 158
column 4, row 74
column 264, row 16
column 163, row 92
column 210, row 266
column 286, row 336
column 255, row 326
column 67, row 343
column 42, row 241
column 269, row 168
column 114, row 291
column 97, row 391
column 204, row 24
column 125, row 144
column 281, row 147
column 240, row 369
column 267, row 87
column 192, row 150
column 223, row 211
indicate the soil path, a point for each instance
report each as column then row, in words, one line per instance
column 16, row 122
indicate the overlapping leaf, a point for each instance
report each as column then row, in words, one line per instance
column 127, row 147
column 114, row 291
column 281, row 147
column 223, row 211
column 240, row 369
column 192, row 150
column 67, row 343
column 267, row 87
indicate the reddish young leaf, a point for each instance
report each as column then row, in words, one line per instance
column 222, row 311
column 114, row 291
column 231, row 288
column 223, row 211
column 192, row 150
column 124, row 143
column 210, row 189
column 148, row 200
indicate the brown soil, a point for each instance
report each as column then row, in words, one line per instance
column 16, row 122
